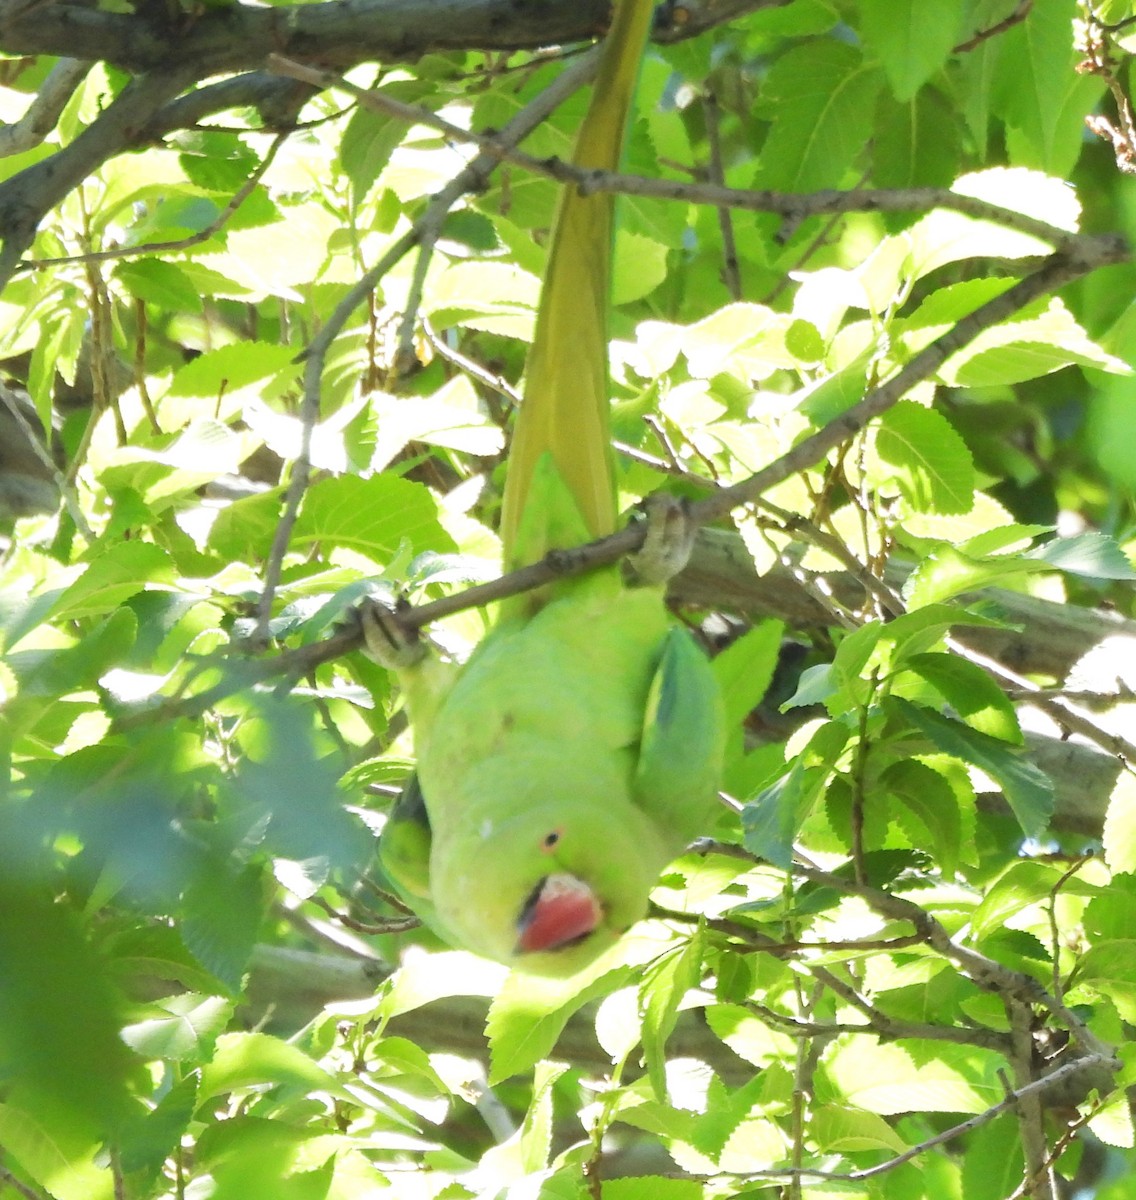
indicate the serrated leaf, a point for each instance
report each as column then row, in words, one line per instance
column 652, row 1187
column 222, row 911
column 161, row 283
column 931, row 800
column 992, row 1166
column 1091, row 555
column 912, row 38
column 1021, row 885
column 947, row 572
column 372, row 516
column 1027, row 789
column 490, row 296
column 1027, row 349
column 971, row 692
column 529, row 1013
column 149, row 1140
column 180, row 1027
column 944, row 237
column 1120, row 825
column 429, row 977
column 845, row 1130
column 665, row 982
column 452, row 418
column 61, row 1161
column 822, row 95
column 117, row 573
column 745, row 669
column 232, row 368
column 639, row 265
column 747, row 1036
column 245, row 1060
column 1039, row 93
column 929, row 460
column 917, row 143
column 887, row 1079
column 771, row 820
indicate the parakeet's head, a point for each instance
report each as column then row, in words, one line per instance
column 549, row 889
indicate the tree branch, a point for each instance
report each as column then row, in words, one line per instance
column 27, row 197
column 340, row 33
column 793, row 206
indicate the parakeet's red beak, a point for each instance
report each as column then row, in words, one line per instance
column 561, row 910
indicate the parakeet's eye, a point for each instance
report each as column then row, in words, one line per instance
column 550, row 841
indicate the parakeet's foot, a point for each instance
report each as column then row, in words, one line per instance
column 669, row 540
column 386, row 639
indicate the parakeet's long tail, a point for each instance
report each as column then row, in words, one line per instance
column 565, row 409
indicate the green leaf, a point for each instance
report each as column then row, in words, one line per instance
column 152, row 1137
column 947, row 572
column 842, row 1130
column 1028, row 790
column 372, row 516
column 744, row 670
column 60, row 1160
column 1027, row 349
column 772, row 819
column 1111, row 913
column 1023, row 884
column 180, row 1027
column 1091, row 555
column 424, row 978
column 665, row 983
column 163, row 284
column 1120, row 825
column 971, row 692
column 889, row 1079
column 118, row 572
column 529, row 1013
column 931, row 801
column 652, row 1187
column 993, row 1164
column 231, row 369
column 453, row 417
column 929, row 460
column 222, row 915
column 59, row 1043
column 368, row 141
column 912, row 38
column 917, row 142
column 247, row 1060
column 1040, row 95
column 821, row 96
column 639, row 265
column 494, row 297
column 747, row 1036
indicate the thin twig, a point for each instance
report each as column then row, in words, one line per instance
column 186, row 243
column 471, row 178
column 731, row 272
column 795, row 207
column 983, row 35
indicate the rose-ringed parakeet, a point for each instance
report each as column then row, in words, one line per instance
column 578, row 750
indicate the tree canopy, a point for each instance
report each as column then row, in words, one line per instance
column 268, row 276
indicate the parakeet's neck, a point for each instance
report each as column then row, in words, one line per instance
column 565, row 413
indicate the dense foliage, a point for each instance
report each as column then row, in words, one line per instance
column 871, row 277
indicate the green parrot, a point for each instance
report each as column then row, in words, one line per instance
column 579, row 749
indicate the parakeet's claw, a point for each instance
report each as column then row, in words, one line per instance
column 669, row 539
column 386, row 639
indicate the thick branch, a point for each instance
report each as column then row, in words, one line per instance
column 342, row 33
